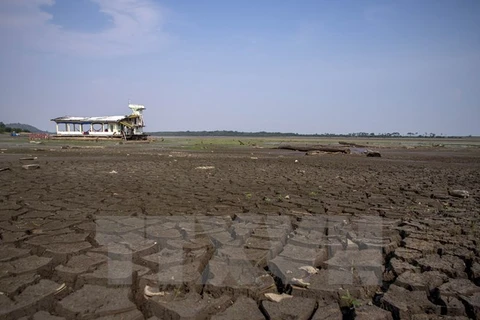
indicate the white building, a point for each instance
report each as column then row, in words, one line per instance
column 129, row 127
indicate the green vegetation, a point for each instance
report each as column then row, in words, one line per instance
column 350, row 301
column 213, row 144
column 230, row 133
column 4, row 128
column 206, row 143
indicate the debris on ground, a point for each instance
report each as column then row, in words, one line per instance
column 82, row 147
column 315, row 148
column 275, row 297
column 314, row 153
column 31, row 166
column 309, row 269
column 28, row 158
column 205, row 167
column 4, row 169
column 459, row 193
column 149, row 292
column 299, row 282
column 375, row 154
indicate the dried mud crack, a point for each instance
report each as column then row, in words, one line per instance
column 263, row 237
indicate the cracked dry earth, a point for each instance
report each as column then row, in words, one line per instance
column 135, row 232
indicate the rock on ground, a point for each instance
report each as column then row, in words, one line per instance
column 95, row 301
column 294, row 308
column 370, row 312
column 403, row 303
column 243, row 308
column 35, row 297
column 190, row 306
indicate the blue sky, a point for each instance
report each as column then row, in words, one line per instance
column 290, row 66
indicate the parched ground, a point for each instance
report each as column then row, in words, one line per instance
column 136, row 231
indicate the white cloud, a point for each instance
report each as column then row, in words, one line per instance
column 136, row 28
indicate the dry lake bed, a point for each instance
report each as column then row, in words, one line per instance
column 220, row 229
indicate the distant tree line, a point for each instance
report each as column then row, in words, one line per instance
column 4, row 128
column 228, row 133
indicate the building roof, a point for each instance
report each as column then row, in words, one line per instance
column 89, row 119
